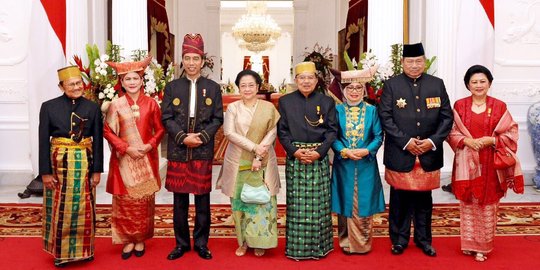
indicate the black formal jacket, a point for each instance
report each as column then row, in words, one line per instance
column 414, row 120
column 293, row 127
column 55, row 121
column 175, row 116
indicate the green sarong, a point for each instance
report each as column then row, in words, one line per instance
column 309, row 219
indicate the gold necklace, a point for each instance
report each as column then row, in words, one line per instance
column 479, row 105
column 316, row 122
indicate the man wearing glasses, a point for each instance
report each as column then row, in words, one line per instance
column 70, row 163
column 307, row 128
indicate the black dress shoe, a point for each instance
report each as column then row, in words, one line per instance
column 59, row 264
column 126, row 255
column 139, row 253
column 176, row 253
column 89, row 259
column 429, row 250
column 447, row 188
column 203, row 252
column 397, row 249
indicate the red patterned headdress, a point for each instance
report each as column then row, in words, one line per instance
column 193, row 43
column 126, row 67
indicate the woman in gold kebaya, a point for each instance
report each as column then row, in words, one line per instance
column 250, row 127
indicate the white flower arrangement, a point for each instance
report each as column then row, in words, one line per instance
column 101, row 84
column 155, row 79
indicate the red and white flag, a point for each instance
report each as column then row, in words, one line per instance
column 475, row 44
column 46, row 54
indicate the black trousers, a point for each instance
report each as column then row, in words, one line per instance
column 405, row 206
column 201, row 232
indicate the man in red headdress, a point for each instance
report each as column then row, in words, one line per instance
column 192, row 113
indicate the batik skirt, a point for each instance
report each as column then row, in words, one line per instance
column 255, row 224
column 477, row 224
column 355, row 233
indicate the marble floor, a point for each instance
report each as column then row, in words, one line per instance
column 8, row 192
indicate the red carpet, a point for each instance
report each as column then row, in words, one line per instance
column 511, row 252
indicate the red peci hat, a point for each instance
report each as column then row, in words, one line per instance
column 193, row 43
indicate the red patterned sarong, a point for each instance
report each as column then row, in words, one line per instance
column 132, row 219
column 194, row 176
column 417, row 179
column 478, row 224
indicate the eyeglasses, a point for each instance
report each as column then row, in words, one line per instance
column 73, row 84
column 357, row 89
column 248, row 85
column 306, row 78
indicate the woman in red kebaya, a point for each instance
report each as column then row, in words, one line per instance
column 134, row 130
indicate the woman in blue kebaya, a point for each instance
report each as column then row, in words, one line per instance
column 357, row 192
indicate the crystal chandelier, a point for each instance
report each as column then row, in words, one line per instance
column 256, row 31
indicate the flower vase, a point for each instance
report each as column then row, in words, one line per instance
column 533, row 124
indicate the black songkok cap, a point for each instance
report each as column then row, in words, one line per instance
column 413, row 50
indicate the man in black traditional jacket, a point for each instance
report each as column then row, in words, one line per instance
column 70, row 163
column 416, row 116
column 192, row 113
column 307, row 128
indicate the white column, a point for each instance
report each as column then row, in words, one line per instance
column 97, row 22
column 385, row 27
column 440, row 40
column 129, row 25
column 76, row 29
column 417, row 19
